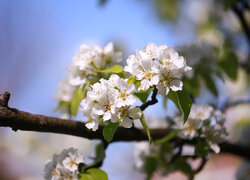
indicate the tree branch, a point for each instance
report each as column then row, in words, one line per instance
column 19, row 120
column 151, row 102
column 238, row 10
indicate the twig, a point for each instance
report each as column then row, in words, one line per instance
column 238, row 10
column 203, row 162
column 151, row 102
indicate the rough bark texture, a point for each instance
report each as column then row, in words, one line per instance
column 19, row 120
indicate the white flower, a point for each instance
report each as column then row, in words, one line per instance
column 189, row 129
column 64, row 165
column 89, row 59
column 110, row 100
column 148, row 73
column 158, row 65
column 201, row 112
column 65, row 91
column 73, row 159
column 169, row 81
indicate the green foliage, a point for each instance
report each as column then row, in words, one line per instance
column 100, row 153
column 167, row 9
column 182, row 101
column 62, row 104
column 109, row 131
column 210, row 84
column 145, row 126
column 113, row 69
column 228, row 62
column 131, row 80
column 202, row 148
column 93, row 174
column 143, row 95
column 167, row 138
column 150, row 166
column 78, row 97
column 192, row 85
column 229, row 3
column 182, row 165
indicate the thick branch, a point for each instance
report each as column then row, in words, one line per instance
column 19, row 120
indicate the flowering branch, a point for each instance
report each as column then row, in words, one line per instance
column 20, row 120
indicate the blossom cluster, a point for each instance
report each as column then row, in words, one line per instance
column 85, row 64
column 203, row 121
column 88, row 60
column 159, row 66
column 64, row 166
column 110, row 100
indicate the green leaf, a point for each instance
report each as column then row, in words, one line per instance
column 182, row 101
column 150, row 166
column 113, row 69
column 62, row 104
column 137, row 84
column 93, row 174
column 109, row 131
column 98, row 174
column 84, row 176
column 131, row 80
column 192, row 85
column 143, row 95
column 167, row 9
column 100, row 152
column 75, row 102
column 210, row 84
column 144, row 124
column 202, row 148
column 167, row 138
column 182, row 165
column 78, row 97
column 228, row 62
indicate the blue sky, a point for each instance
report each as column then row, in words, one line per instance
column 39, row 38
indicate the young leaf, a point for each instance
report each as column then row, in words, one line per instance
column 185, row 102
column 62, row 104
column 202, row 148
column 143, row 95
column 167, row 138
column 182, row 165
column 131, row 80
column 144, row 124
column 113, row 69
column 84, row 176
column 98, row 174
column 109, row 131
column 75, row 102
column 93, row 174
column 228, row 63
column 100, row 152
column 150, row 166
column 78, row 97
column 210, row 84
column 182, row 101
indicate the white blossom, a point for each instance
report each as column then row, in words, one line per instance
column 203, row 121
column 64, row 166
column 201, row 112
column 110, row 100
column 189, row 129
column 159, row 66
column 65, row 91
column 89, row 59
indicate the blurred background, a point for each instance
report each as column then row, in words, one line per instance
column 39, row 38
